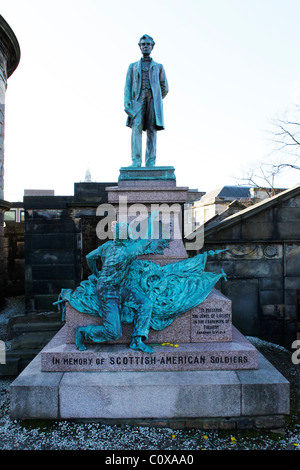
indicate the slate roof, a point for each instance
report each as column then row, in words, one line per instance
column 253, row 210
column 226, row 192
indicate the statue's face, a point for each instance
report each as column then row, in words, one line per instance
column 146, row 46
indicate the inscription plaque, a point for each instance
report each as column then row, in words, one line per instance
column 234, row 355
column 210, row 324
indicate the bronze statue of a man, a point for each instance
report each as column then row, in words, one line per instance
column 145, row 88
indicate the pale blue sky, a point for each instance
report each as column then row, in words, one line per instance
column 232, row 66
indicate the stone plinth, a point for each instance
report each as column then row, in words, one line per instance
column 154, row 188
column 208, row 322
column 234, row 355
column 147, row 192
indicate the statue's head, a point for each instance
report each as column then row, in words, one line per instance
column 146, row 44
column 121, row 231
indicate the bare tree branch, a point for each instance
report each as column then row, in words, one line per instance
column 285, row 135
column 261, row 180
column 283, row 165
column 292, row 136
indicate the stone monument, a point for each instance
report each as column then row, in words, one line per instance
column 148, row 336
column 9, row 60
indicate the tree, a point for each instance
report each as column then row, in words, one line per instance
column 262, row 177
column 285, row 139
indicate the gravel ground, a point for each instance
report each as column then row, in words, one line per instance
column 72, row 435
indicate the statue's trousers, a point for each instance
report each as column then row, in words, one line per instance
column 113, row 301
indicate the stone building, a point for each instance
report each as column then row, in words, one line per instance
column 262, row 263
column 215, row 202
column 9, row 60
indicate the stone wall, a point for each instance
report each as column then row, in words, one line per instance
column 14, row 259
column 262, row 263
column 59, row 232
column 52, row 250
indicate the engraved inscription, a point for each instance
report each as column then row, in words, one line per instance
column 210, row 323
column 159, row 362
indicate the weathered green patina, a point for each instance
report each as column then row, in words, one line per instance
column 145, row 88
column 139, row 292
column 154, row 173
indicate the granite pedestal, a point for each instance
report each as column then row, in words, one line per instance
column 154, row 188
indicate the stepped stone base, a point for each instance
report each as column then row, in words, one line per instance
column 165, row 395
